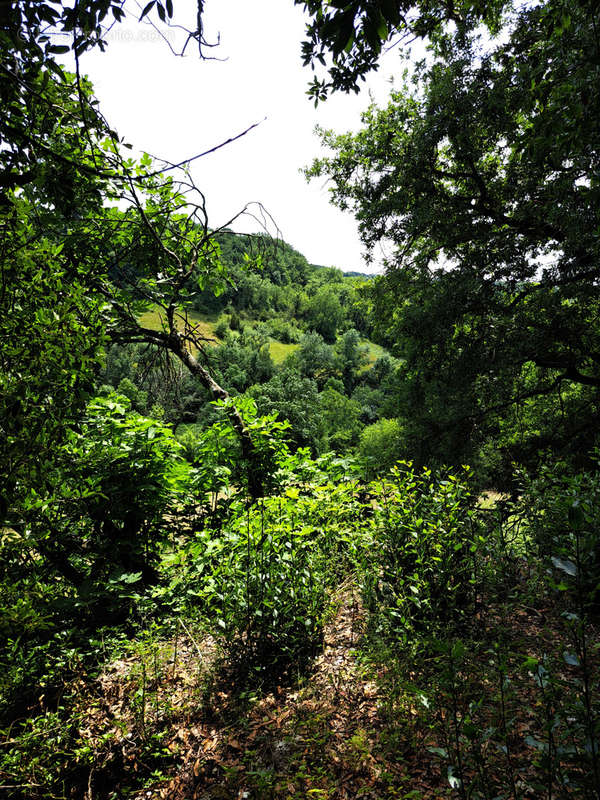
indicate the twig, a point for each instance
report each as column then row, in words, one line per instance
column 199, row 155
column 194, row 642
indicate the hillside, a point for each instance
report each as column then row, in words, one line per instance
column 291, row 336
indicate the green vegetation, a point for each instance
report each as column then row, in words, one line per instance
column 279, row 351
column 491, row 294
column 206, row 327
column 260, row 568
column 374, row 351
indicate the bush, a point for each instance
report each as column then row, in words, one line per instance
column 381, row 445
column 284, row 331
column 137, row 397
column 296, row 400
column 563, row 515
column 263, row 580
column 99, row 524
column 422, row 561
column 266, row 591
column 222, row 330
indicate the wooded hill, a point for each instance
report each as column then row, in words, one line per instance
column 290, row 335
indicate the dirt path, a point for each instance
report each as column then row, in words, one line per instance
column 324, row 739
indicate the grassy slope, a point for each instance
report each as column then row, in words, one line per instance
column 374, row 351
column 280, row 351
column 207, row 325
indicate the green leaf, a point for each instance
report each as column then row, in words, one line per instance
column 439, row 751
column 54, row 67
column 382, row 29
column 565, row 565
column 128, row 577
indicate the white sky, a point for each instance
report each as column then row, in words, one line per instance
column 177, row 107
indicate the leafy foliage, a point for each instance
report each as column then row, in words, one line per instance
column 423, row 560
column 295, row 399
column 262, row 580
column 47, row 374
column 490, row 296
column 561, row 516
column 381, row 445
column 100, row 518
column 482, row 175
column 354, row 33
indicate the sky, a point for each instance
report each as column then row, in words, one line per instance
column 175, row 107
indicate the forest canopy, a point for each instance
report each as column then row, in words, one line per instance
column 482, row 176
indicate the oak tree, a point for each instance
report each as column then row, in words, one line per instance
column 482, row 175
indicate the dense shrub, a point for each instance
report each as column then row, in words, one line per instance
column 381, row 445
column 284, row 331
column 263, row 581
column 77, row 552
column 562, row 512
column 102, row 518
column 422, row 561
column 294, row 399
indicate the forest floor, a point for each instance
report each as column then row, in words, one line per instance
column 172, row 718
column 166, row 720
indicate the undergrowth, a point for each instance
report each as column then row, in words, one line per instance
column 480, row 633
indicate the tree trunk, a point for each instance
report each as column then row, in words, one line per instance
column 176, row 345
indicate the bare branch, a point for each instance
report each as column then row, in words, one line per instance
column 214, row 149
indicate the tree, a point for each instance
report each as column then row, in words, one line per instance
column 325, row 313
column 63, row 176
column 484, row 176
column 369, row 402
column 108, row 265
column 352, row 34
column 296, row 400
column 52, row 329
column 65, row 159
column 340, row 417
column 314, row 358
column 242, row 361
column 52, row 334
column 352, row 355
column 118, row 476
